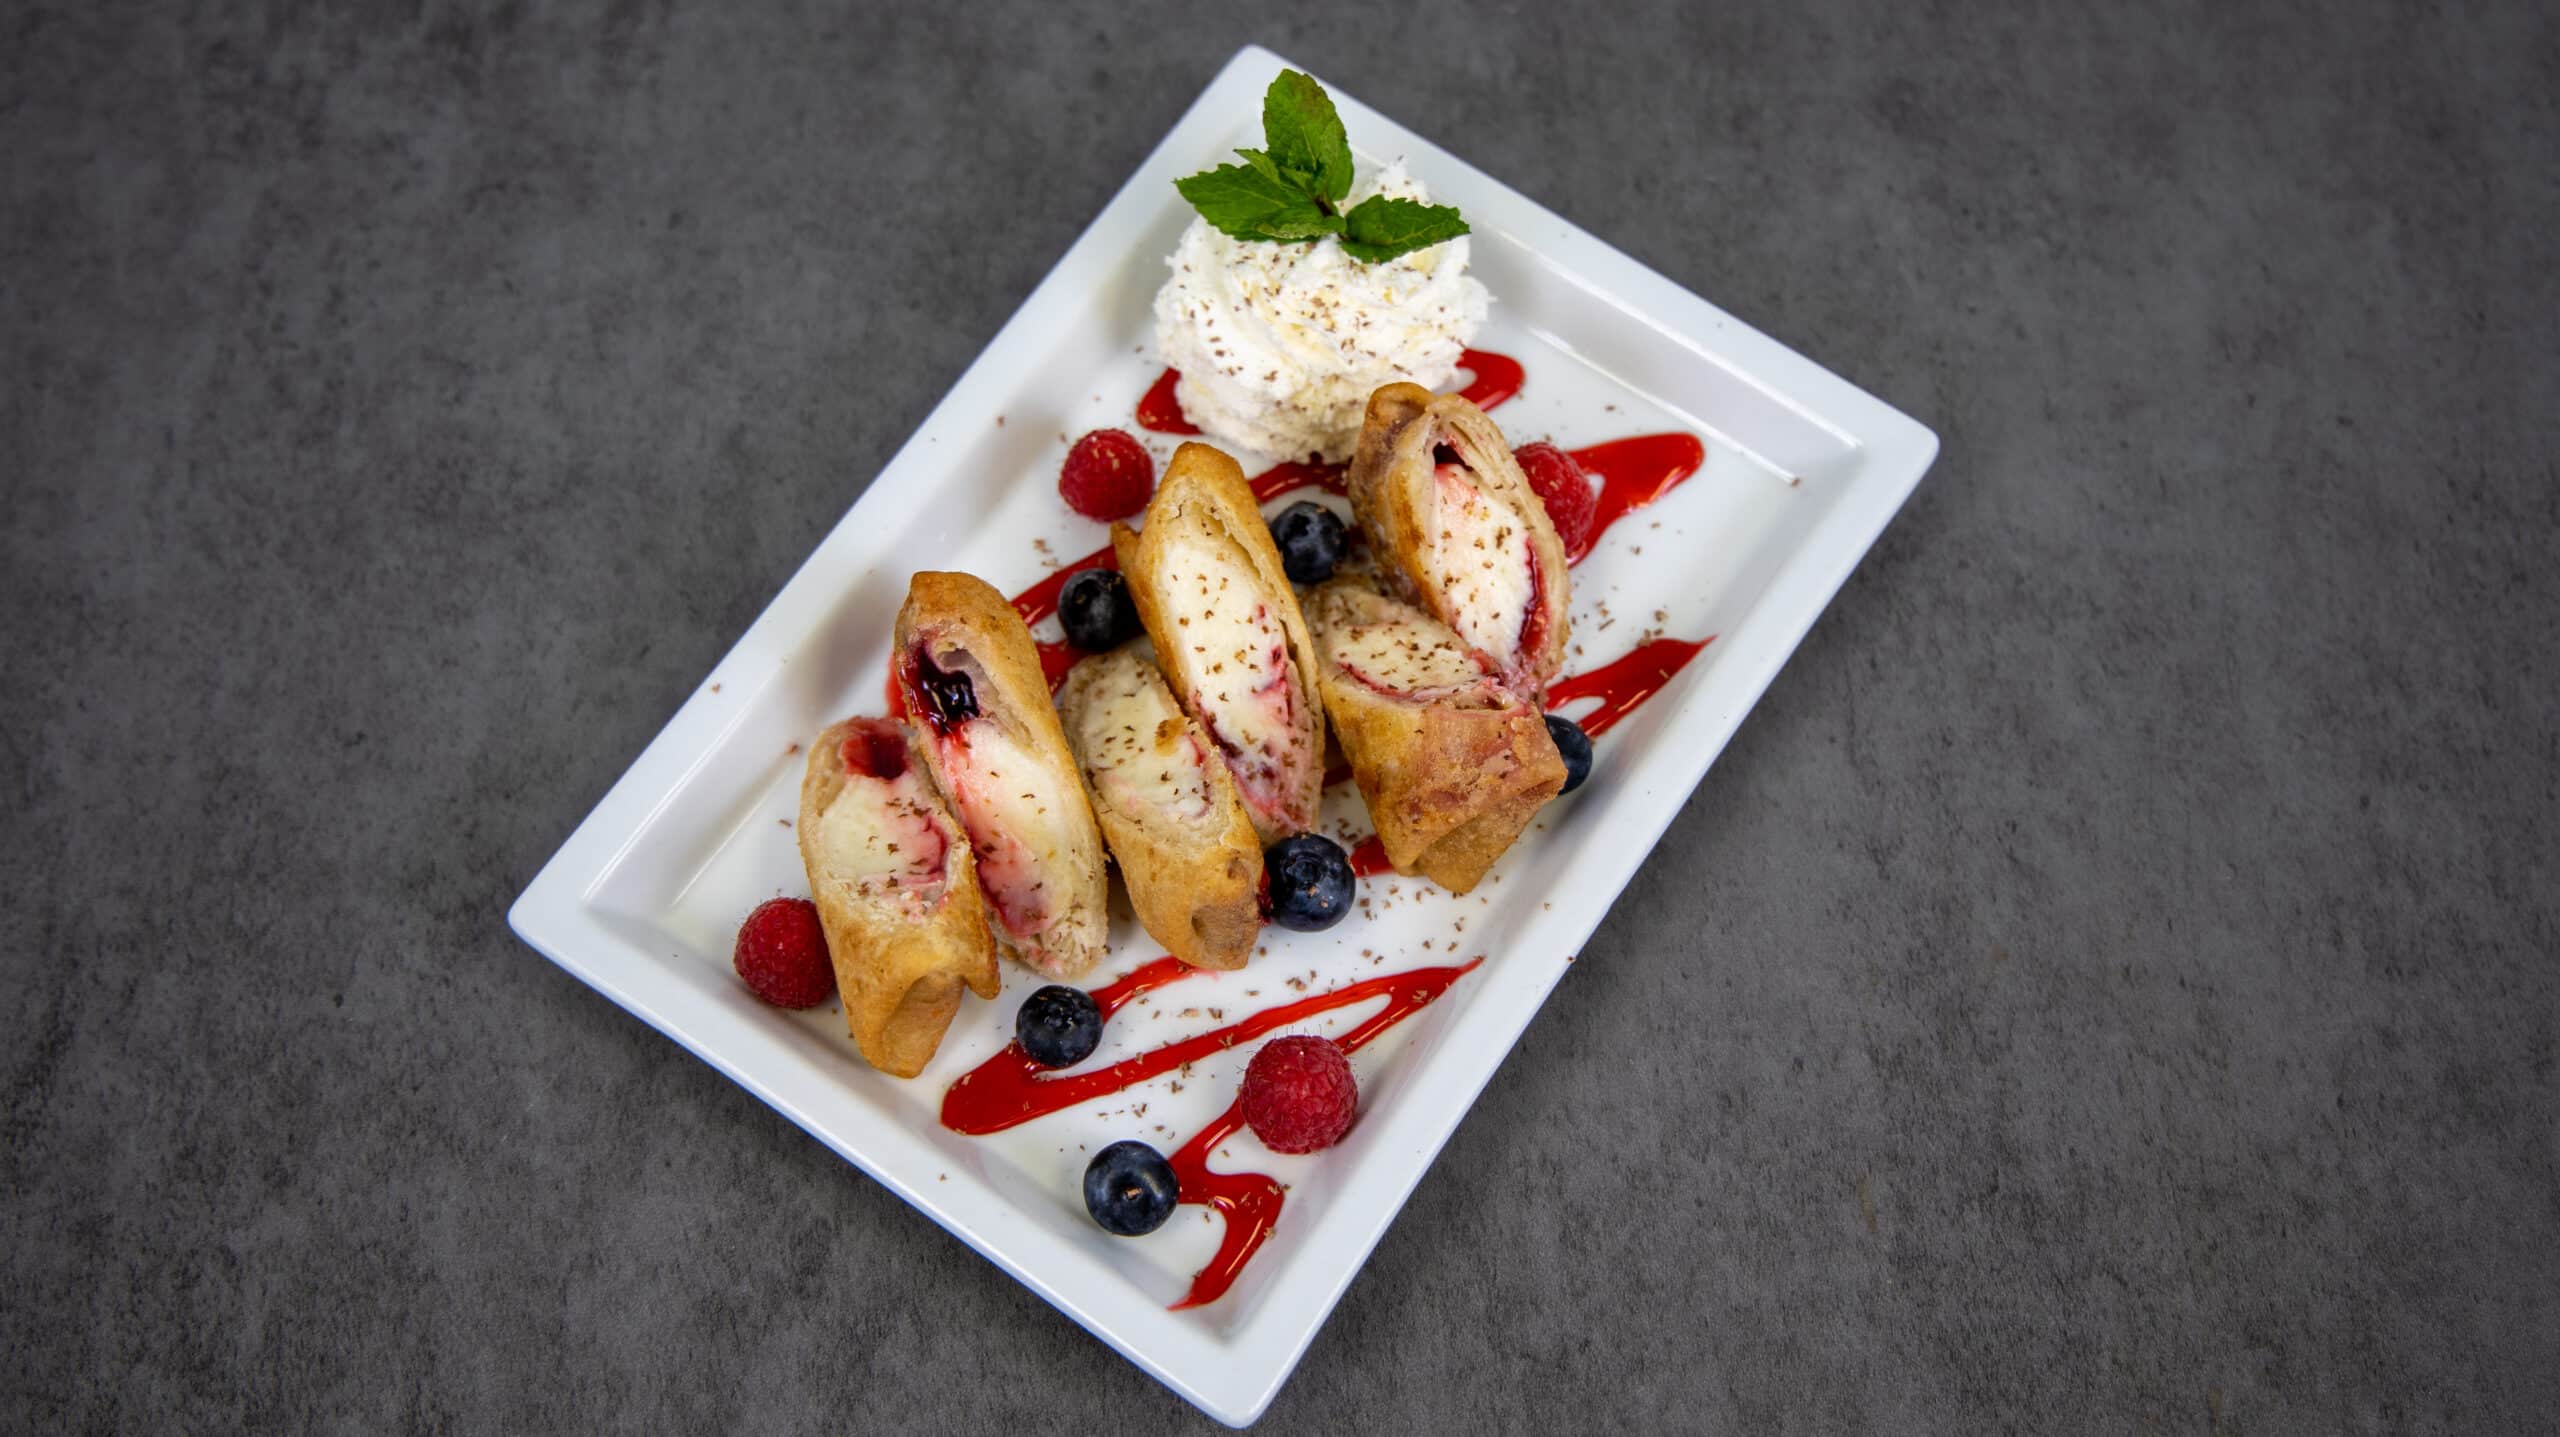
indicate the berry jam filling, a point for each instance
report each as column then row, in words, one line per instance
column 950, row 699
column 875, row 750
column 1261, row 770
column 1533, row 625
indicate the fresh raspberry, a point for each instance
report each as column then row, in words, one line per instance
column 782, row 953
column 1565, row 490
column 1299, row 1094
column 1107, row 476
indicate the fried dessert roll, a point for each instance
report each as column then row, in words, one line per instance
column 897, row 893
column 971, row 681
column 1457, row 527
column 1453, row 761
column 1228, row 635
column 1186, row 848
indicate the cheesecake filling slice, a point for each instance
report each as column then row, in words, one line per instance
column 1141, row 755
column 1015, row 808
column 883, row 836
column 1402, row 653
column 1479, row 558
column 1232, row 655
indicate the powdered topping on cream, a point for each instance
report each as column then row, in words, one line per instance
column 1280, row 345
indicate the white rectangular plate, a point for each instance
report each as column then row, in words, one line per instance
column 1803, row 471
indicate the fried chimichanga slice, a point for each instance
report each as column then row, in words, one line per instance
column 1457, row 527
column 1187, row 850
column 897, row 893
column 1228, row 635
column 1453, row 761
column 971, row 682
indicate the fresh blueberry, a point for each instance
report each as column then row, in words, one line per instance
column 1096, row 612
column 1311, row 541
column 1312, row 885
column 1058, row 1026
column 1575, row 745
column 1130, row 1189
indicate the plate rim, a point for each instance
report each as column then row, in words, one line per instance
column 1235, row 1377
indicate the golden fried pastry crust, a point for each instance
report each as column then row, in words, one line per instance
column 1453, row 761
column 1186, row 847
column 1228, row 634
column 897, row 894
column 1458, row 529
column 971, row 681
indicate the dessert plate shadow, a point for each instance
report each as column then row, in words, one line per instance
column 1803, row 470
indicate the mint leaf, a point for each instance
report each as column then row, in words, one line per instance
column 1293, row 190
column 1252, row 204
column 1305, row 134
column 1379, row 228
column 1270, row 171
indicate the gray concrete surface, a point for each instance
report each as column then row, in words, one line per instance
column 2109, row 984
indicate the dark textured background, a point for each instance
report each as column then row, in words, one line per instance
column 2109, row 982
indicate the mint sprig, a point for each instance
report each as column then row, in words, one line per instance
column 1251, row 201
column 1292, row 189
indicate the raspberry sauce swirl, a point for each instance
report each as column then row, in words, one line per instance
column 1010, row 1089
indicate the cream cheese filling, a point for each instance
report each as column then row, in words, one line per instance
column 1017, row 814
column 881, row 838
column 1141, row 754
column 1232, row 654
column 1479, row 559
column 1405, row 658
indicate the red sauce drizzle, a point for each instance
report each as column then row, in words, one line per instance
column 1634, row 473
column 1370, row 858
column 1491, row 378
column 1281, row 479
column 1009, row 1089
column 1250, row 1202
column 1623, row 684
column 1160, row 412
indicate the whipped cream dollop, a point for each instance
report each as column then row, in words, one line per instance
column 1280, row 345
